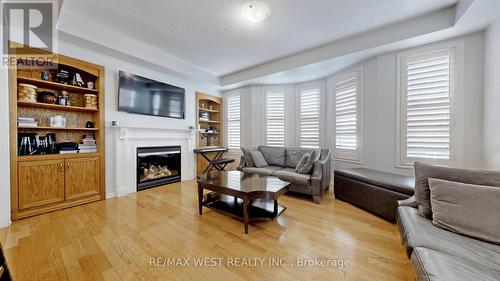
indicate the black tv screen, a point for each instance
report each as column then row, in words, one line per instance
column 141, row 95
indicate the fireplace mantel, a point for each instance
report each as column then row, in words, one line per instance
column 126, row 140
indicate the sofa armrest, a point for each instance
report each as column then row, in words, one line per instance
column 242, row 164
column 410, row 202
column 321, row 175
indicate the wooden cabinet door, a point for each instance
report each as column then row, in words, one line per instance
column 82, row 177
column 40, row 183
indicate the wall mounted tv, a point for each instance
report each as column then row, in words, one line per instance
column 141, row 95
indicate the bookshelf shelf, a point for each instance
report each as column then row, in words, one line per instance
column 55, row 85
column 55, row 106
column 56, row 128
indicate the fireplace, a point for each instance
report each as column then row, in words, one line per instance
column 158, row 166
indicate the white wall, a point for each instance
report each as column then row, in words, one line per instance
column 491, row 132
column 4, row 149
column 380, row 97
column 112, row 65
column 379, row 109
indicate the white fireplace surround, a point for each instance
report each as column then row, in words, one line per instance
column 126, row 140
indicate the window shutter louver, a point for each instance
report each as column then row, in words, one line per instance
column 275, row 118
column 427, row 108
column 233, row 121
column 309, row 125
column 347, row 112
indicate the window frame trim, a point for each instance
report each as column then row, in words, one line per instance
column 265, row 90
column 316, row 84
column 342, row 154
column 456, row 49
column 227, row 95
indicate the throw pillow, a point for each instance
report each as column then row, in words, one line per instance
column 425, row 171
column 301, row 162
column 466, row 209
column 308, row 166
column 248, row 158
column 258, row 159
column 274, row 156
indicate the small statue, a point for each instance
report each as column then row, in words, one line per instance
column 77, row 80
column 45, row 76
column 62, row 76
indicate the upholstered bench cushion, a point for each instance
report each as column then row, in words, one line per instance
column 289, row 175
column 397, row 183
column 268, row 171
column 375, row 191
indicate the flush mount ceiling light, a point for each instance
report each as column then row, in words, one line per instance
column 255, row 11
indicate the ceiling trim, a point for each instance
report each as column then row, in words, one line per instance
column 425, row 24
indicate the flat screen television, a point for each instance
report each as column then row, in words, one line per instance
column 141, row 95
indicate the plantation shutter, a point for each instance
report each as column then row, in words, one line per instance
column 347, row 112
column 275, row 118
column 427, row 107
column 309, row 125
column 233, row 121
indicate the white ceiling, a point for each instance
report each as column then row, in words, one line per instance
column 213, row 35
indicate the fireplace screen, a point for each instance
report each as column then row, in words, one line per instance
column 158, row 166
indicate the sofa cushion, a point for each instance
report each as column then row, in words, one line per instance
column 466, row 209
column 268, row 171
column 289, row 175
column 301, row 163
column 248, row 158
column 258, row 159
column 418, row 231
column 397, row 183
column 294, row 154
column 275, row 156
column 431, row 265
column 424, row 171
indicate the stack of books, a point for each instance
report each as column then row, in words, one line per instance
column 67, row 148
column 26, row 122
column 88, row 145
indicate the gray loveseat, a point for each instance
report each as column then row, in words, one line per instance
column 282, row 162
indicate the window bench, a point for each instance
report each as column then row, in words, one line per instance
column 373, row 191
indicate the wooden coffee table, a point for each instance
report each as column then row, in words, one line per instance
column 247, row 197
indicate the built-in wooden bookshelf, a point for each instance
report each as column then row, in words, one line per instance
column 46, row 182
column 209, row 130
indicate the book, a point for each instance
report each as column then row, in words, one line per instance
column 31, row 125
column 87, row 145
column 27, row 119
column 68, row 151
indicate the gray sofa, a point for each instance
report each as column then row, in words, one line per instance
column 438, row 254
column 282, row 162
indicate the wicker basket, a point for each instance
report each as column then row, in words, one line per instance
column 203, row 141
column 26, row 92
column 214, row 141
column 90, row 101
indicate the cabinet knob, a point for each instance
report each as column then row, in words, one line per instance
column 67, row 166
column 62, row 167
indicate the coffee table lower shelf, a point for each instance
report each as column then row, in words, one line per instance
column 258, row 209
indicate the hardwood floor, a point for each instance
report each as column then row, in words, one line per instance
column 116, row 239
